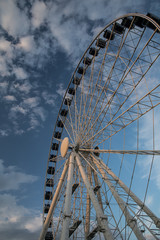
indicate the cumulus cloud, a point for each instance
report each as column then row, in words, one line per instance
column 8, row 13
column 27, row 43
column 149, row 200
column 4, row 132
column 39, row 13
column 23, row 87
column 4, row 44
column 10, row 98
column 3, row 87
column 34, row 123
column 31, row 102
column 17, row 109
column 11, row 178
column 49, row 98
column 40, row 112
column 16, row 221
column 30, row 112
column 70, row 41
column 4, row 70
column 61, row 90
column 20, row 73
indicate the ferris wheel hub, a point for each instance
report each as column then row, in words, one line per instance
column 77, row 147
column 64, row 146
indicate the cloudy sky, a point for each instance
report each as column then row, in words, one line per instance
column 40, row 44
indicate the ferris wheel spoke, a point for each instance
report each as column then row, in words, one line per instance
column 134, row 215
column 122, row 80
column 85, row 94
column 127, row 65
column 121, row 204
column 57, row 139
column 70, row 122
column 137, row 152
column 98, row 78
column 155, row 219
column 80, row 107
column 91, row 165
column 113, row 67
column 98, row 81
column 107, row 80
column 141, row 220
column 139, row 101
column 67, row 130
column 76, row 114
column 134, row 115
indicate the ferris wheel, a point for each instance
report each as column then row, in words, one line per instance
column 105, row 144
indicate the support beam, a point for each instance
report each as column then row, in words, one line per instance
column 98, row 193
column 102, row 220
column 53, row 203
column 129, row 219
column 67, row 206
column 88, row 204
column 155, row 219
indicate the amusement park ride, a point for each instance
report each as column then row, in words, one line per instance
column 94, row 186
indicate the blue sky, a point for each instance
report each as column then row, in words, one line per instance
column 40, row 44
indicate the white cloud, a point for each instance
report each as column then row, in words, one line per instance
column 40, row 112
column 34, row 123
column 19, row 131
column 4, row 44
column 34, row 224
column 96, row 30
column 61, row 91
column 14, row 21
column 31, row 102
column 69, row 35
column 69, row 25
column 9, row 209
column 3, row 87
column 20, row 73
column 49, row 98
column 36, row 51
column 11, row 178
column 39, row 13
column 27, row 43
column 4, row 71
column 16, row 221
column 30, row 112
column 7, row 54
column 10, row 98
column 4, row 132
column 17, row 109
column 24, row 87
column 149, row 200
